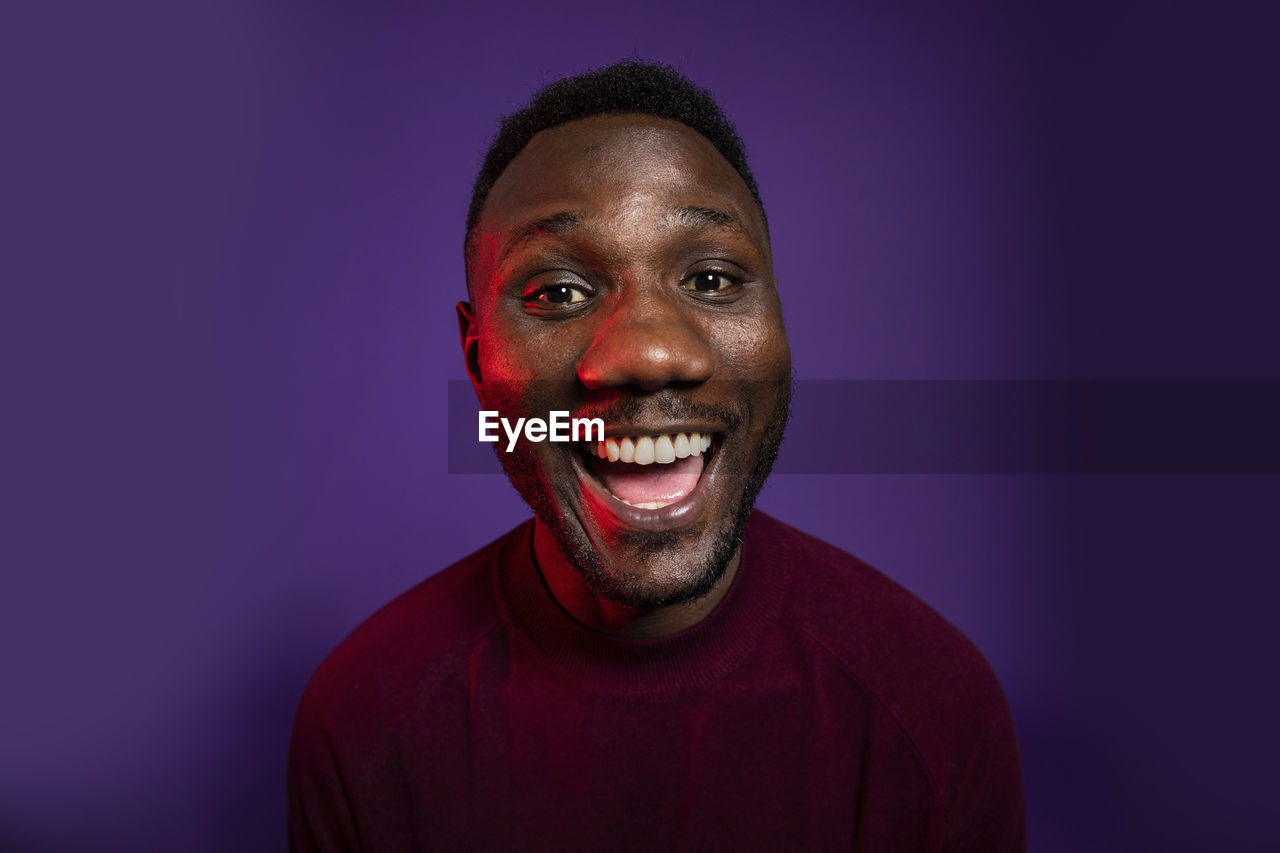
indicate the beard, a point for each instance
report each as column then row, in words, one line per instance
column 529, row 479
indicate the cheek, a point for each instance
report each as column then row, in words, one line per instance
column 502, row 367
column 517, row 347
column 504, row 355
column 508, row 357
column 758, row 346
column 525, row 375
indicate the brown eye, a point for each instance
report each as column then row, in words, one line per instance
column 561, row 294
column 708, row 282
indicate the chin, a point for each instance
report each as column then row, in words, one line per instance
column 644, row 569
column 666, row 568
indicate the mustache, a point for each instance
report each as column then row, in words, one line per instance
column 663, row 405
column 631, row 405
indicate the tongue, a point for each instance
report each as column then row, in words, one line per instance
column 639, row 484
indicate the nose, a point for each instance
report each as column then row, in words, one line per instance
column 649, row 340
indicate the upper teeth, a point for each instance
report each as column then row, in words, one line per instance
column 646, row 449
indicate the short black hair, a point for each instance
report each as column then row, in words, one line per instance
column 629, row 86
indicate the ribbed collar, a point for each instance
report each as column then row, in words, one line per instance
column 604, row 664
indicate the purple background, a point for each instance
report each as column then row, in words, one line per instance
column 232, row 241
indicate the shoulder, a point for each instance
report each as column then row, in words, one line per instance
column 383, row 688
column 924, row 672
column 877, row 629
column 400, row 654
column 862, row 614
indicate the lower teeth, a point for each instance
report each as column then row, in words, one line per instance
column 647, row 504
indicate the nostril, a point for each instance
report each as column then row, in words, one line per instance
column 675, row 358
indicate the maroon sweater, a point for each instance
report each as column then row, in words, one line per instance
column 819, row 707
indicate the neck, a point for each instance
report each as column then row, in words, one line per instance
column 593, row 611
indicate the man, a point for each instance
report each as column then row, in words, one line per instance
column 648, row 665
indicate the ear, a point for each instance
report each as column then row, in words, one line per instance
column 468, row 332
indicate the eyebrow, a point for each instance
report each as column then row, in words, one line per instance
column 559, row 224
column 701, row 217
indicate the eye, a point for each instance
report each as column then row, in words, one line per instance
column 558, row 294
column 709, row 282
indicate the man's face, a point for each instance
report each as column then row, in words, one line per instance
column 622, row 270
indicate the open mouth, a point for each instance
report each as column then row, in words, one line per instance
column 650, row 471
column 651, row 480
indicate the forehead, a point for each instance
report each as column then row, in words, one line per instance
column 614, row 168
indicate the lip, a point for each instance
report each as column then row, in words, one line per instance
column 683, row 513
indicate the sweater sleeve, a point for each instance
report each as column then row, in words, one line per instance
column 984, row 809
column 320, row 816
